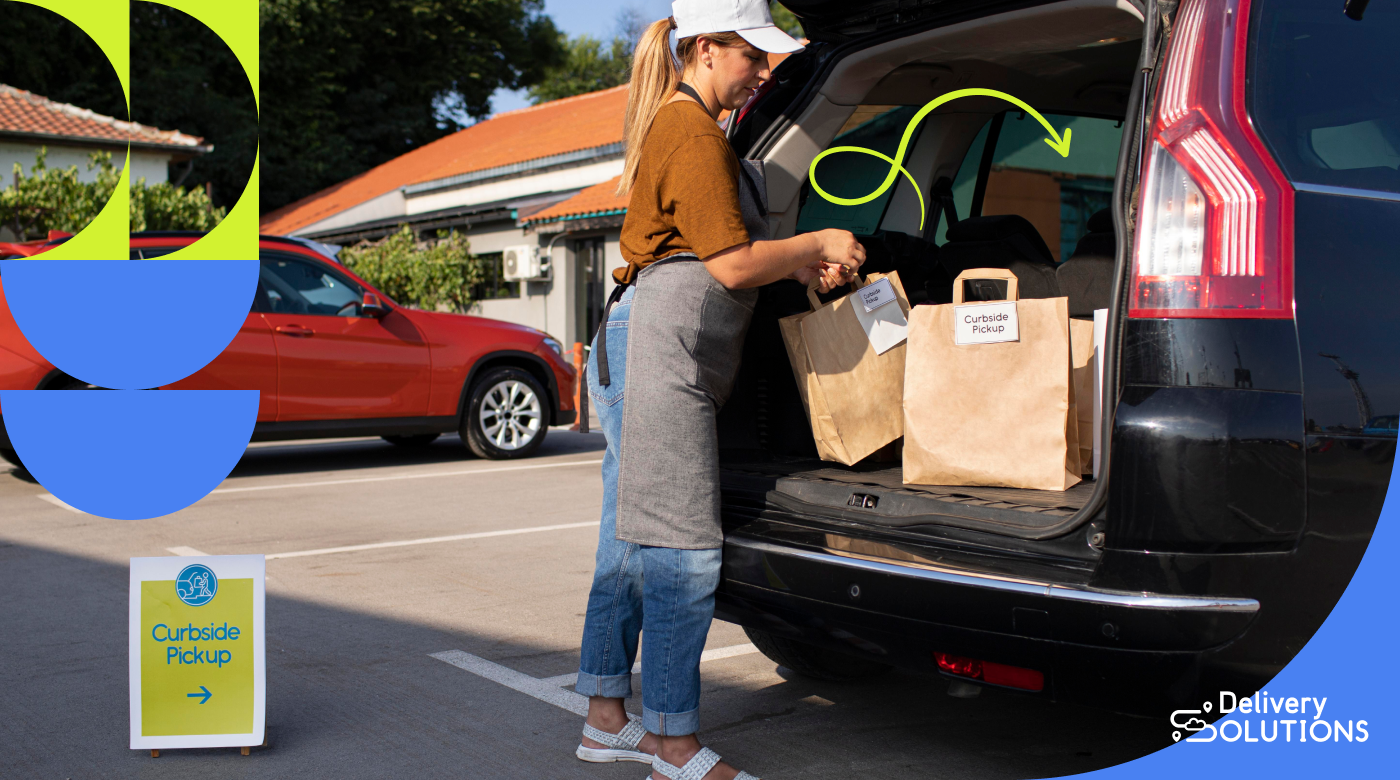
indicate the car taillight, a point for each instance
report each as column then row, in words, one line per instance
column 991, row 672
column 1215, row 225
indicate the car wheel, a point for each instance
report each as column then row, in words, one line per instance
column 67, row 383
column 417, row 440
column 11, row 456
column 506, row 415
column 812, row 661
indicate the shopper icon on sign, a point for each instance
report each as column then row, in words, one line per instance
column 196, row 585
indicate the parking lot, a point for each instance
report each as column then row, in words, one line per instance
column 423, row 614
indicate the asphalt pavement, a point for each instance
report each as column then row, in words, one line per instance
column 441, row 642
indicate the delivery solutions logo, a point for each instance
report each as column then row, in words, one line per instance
column 196, row 585
column 130, row 326
column 1265, row 718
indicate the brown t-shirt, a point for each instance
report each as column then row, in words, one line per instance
column 686, row 196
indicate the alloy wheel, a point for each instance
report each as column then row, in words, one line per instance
column 510, row 414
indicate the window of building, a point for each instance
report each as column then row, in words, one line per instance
column 493, row 284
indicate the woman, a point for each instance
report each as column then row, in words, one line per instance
column 693, row 242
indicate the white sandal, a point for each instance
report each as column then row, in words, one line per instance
column 695, row 768
column 621, row 746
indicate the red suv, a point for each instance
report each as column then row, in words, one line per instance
column 332, row 357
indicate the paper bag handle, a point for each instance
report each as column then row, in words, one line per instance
column 1013, row 291
column 812, row 290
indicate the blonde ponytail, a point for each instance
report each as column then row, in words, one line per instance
column 654, row 78
column 655, row 74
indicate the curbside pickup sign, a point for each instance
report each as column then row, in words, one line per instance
column 197, row 665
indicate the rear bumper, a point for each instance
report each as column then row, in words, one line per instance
column 1130, row 651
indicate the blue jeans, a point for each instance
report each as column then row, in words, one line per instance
column 673, row 604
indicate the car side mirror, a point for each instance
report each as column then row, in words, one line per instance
column 373, row 306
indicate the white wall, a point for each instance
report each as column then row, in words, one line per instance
column 151, row 165
column 548, row 306
column 390, row 204
column 553, row 181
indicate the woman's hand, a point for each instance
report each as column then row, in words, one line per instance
column 829, row 276
column 835, row 255
column 840, row 248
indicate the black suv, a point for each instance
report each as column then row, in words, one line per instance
column 1231, row 197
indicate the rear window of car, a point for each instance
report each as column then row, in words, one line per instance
column 1323, row 91
column 879, row 128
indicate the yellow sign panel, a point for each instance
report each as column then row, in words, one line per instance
column 198, row 672
column 196, row 662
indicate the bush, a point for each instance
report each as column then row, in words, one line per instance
column 420, row 274
column 54, row 199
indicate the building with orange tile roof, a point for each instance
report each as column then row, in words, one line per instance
column 535, row 180
column 70, row 134
column 503, row 181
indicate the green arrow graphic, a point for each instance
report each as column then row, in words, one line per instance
column 1058, row 143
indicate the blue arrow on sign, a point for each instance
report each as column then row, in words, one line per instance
column 206, row 695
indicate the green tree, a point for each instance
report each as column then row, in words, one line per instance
column 349, row 84
column 587, row 68
column 431, row 275
column 786, row 20
column 345, row 84
column 56, row 199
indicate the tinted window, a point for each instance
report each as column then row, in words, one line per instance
column 151, row 252
column 1323, row 91
column 297, row 286
column 1056, row 194
column 851, row 175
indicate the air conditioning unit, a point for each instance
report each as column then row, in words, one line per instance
column 522, row 263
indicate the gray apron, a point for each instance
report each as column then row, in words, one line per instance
column 685, row 337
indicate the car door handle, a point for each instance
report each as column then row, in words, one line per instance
column 295, row 330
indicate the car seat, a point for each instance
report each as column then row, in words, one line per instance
column 1006, row 241
column 1086, row 278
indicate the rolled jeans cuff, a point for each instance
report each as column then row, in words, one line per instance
column 612, row 686
column 671, row 724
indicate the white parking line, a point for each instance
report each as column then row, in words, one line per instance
column 186, row 552
column 432, row 540
column 576, row 703
column 551, row 689
column 357, row 480
column 58, row 502
column 708, row 655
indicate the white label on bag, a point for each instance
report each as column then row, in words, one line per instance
column 876, row 294
column 886, row 326
column 986, row 323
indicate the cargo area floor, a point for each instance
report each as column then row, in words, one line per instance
column 1035, row 507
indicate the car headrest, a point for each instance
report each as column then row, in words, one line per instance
column 1101, row 221
column 1001, row 227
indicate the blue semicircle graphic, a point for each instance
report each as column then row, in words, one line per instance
column 129, row 324
column 129, row 454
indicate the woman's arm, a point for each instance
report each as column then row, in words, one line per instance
column 761, row 262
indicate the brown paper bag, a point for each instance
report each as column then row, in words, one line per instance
column 994, row 414
column 1081, row 339
column 853, row 395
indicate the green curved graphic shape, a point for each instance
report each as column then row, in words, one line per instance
column 894, row 167
column 1059, row 144
column 107, row 236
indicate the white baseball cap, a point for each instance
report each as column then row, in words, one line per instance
column 749, row 18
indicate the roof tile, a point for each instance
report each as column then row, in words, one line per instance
column 559, row 126
column 25, row 112
column 598, row 199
